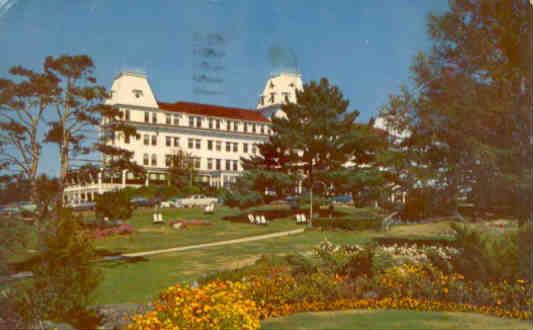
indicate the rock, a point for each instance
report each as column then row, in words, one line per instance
column 117, row 316
column 49, row 325
column 177, row 225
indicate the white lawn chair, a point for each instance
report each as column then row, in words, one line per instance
column 302, row 218
column 210, row 208
column 157, row 218
column 298, row 218
column 262, row 220
column 251, row 218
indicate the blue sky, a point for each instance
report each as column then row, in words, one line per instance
column 364, row 47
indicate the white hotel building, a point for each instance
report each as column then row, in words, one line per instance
column 217, row 137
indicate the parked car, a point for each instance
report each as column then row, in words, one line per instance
column 27, row 206
column 196, row 200
column 342, row 199
column 141, row 201
column 89, row 206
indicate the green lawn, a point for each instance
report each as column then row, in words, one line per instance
column 139, row 281
column 151, row 237
column 391, row 319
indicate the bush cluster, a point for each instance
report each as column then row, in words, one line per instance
column 122, row 229
column 347, row 224
column 217, row 305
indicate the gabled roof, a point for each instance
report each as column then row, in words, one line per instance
column 213, row 110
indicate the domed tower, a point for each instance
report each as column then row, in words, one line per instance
column 279, row 89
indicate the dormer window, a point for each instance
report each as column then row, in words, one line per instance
column 262, row 100
column 272, row 97
column 286, row 97
column 137, row 93
column 291, row 85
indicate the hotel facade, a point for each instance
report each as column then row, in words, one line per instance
column 216, row 137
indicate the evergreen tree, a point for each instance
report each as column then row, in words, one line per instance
column 469, row 114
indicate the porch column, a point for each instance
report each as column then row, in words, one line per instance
column 123, row 178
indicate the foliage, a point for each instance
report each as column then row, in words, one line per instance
column 114, row 205
column 348, row 224
column 65, row 276
column 477, row 72
column 493, row 258
column 217, row 305
column 182, row 172
column 311, row 144
column 387, row 241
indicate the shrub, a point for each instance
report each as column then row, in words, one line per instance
column 389, row 241
column 217, row 305
column 114, row 205
column 64, row 277
column 347, row 224
column 122, row 229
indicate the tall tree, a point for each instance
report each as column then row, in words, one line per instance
column 24, row 100
column 80, row 106
column 182, row 171
column 471, row 115
column 313, row 139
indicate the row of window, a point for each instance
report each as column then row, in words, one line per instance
column 171, row 141
column 212, row 163
column 198, row 122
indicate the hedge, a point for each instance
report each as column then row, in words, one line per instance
column 348, row 224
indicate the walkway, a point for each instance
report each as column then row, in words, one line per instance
column 205, row 245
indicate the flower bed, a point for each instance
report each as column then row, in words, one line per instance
column 122, row 229
column 217, row 305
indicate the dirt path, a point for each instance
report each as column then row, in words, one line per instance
column 205, row 245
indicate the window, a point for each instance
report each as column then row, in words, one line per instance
column 228, row 146
column 154, row 117
column 218, row 145
column 235, row 165
column 154, row 160
column 176, row 142
column 127, row 115
column 228, row 165
column 154, row 140
column 286, row 97
column 235, row 125
column 245, row 147
column 235, row 147
column 126, row 138
column 146, row 139
column 168, row 141
column 218, row 123
column 145, row 159
column 168, row 119
column 254, row 149
column 272, row 97
column 209, row 144
column 262, row 100
column 228, row 125
column 218, row 164
column 210, row 123
column 253, row 128
column 176, row 120
column 197, row 162
column 271, row 84
column 246, row 127
column 190, row 143
column 197, row 143
column 146, row 117
column 199, row 122
column 209, row 163
column 137, row 92
column 191, row 121
column 262, row 129
column 168, row 160
column 138, row 136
